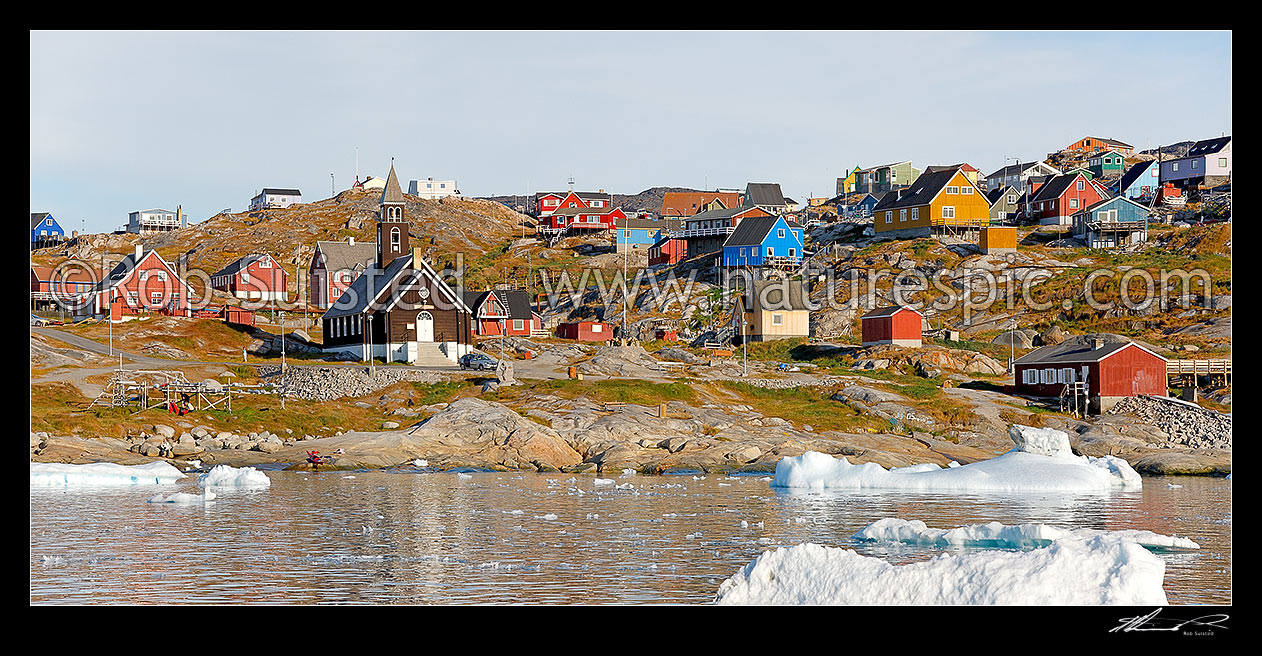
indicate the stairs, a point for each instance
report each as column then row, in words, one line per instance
column 428, row 354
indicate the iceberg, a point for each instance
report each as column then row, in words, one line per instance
column 1001, row 536
column 1041, row 462
column 103, row 473
column 226, row 476
column 1070, row 571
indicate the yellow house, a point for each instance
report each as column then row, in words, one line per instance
column 847, row 184
column 773, row 309
column 940, row 198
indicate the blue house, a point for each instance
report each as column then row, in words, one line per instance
column 1111, row 223
column 637, row 234
column 764, row 241
column 45, row 231
column 1142, row 180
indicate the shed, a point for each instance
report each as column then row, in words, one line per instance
column 898, row 325
column 998, row 239
column 586, row 331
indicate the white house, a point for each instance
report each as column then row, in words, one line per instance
column 433, row 189
column 1015, row 175
column 156, row 220
column 273, row 198
column 1208, row 161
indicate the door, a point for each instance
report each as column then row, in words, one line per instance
column 424, row 327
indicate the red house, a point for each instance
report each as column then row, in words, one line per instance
column 502, row 312
column 586, row 331
column 66, row 285
column 898, row 325
column 548, row 202
column 1111, row 372
column 141, row 282
column 667, row 250
column 1061, row 197
column 255, row 276
column 334, row 266
column 1092, row 145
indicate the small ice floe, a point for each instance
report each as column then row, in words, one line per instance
column 184, row 499
column 1002, row 536
column 226, row 476
column 698, row 478
column 799, row 520
column 1069, row 572
column 193, row 465
column 1172, row 486
column 46, row 474
column 624, row 486
column 603, row 481
column 420, row 463
column 628, row 472
column 513, row 512
column 593, row 516
column 1042, row 462
column 461, row 476
column 744, row 524
column 548, row 517
column 348, row 477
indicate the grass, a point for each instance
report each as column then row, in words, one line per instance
column 805, row 406
column 641, row 392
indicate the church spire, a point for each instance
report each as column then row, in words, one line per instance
column 392, row 193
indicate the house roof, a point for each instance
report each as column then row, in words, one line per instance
column 638, row 224
column 586, row 195
column 963, row 166
column 995, row 194
column 516, row 301
column 1113, row 142
column 575, row 211
column 1207, row 146
column 921, row 192
column 340, row 255
column 684, row 203
column 887, row 312
column 752, row 231
column 1092, row 207
column 38, row 218
column 726, row 213
column 1055, row 186
column 71, row 274
column 373, row 282
column 1076, row 350
column 123, row 269
column 773, row 293
column 763, row 193
column 883, row 166
column 284, row 192
column 241, row 263
column 392, row 192
column 1012, row 169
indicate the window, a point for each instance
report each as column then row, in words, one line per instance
column 902, row 215
column 967, row 191
column 1027, row 376
column 771, row 251
column 889, row 217
column 780, row 233
column 394, row 238
column 915, row 213
column 1081, row 185
column 597, row 328
column 793, row 252
column 1012, row 199
column 1193, row 163
column 1222, row 164
column 265, row 263
column 948, row 212
column 1174, row 166
column 742, row 253
column 953, row 190
column 1073, row 203
column 777, row 319
column 517, row 324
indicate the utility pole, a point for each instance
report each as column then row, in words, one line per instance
column 282, row 358
column 371, row 360
column 625, row 290
column 332, row 186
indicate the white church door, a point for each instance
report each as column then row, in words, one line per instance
column 424, row 327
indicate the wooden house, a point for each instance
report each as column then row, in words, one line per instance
column 1112, row 222
column 943, row 198
column 771, row 310
column 706, row 232
column 334, row 266
column 1058, row 199
column 548, row 202
column 45, row 231
column 257, row 276
column 1207, row 162
column 1110, row 371
column 1141, row 180
column 1093, row 145
column 898, row 325
column 679, row 204
column 141, row 283
column 764, row 241
column 997, row 240
column 667, row 250
column 1015, row 175
column 1109, row 162
column 399, row 309
column 66, row 286
column 1004, row 202
column 499, row 312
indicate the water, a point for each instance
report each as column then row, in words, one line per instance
column 434, row 538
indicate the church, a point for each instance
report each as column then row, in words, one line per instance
column 399, row 309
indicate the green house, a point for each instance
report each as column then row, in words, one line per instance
column 1107, row 163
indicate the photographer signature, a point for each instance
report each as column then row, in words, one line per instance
column 1148, row 623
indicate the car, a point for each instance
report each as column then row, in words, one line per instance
column 477, row 361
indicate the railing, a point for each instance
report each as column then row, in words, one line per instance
column 701, row 232
column 1198, row 367
column 781, row 260
column 939, row 222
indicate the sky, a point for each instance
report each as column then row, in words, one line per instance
column 123, row 121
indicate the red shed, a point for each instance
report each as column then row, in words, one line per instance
column 586, row 331
column 1111, row 371
column 897, row 325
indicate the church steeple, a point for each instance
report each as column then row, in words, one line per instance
column 392, row 227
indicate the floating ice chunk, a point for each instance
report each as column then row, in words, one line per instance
column 1172, row 486
column 1002, row 536
column 420, row 463
column 348, row 477
column 513, row 512
column 1095, row 571
column 1040, row 441
column 184, row 499
column 628, row 472
column 225, row 476
column 461, row 476
column 45, row 474
column 603, row 481
column 1014, row 471
column 548, row 517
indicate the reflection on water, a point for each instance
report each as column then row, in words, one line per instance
column 431, row 538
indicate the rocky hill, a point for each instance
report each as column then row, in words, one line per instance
column 441, row 227
column 649, row 200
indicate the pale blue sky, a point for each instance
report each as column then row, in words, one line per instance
column 122, row 121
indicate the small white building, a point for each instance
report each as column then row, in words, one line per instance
column 433, row 189
column 156, row 220
column 273, row 198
